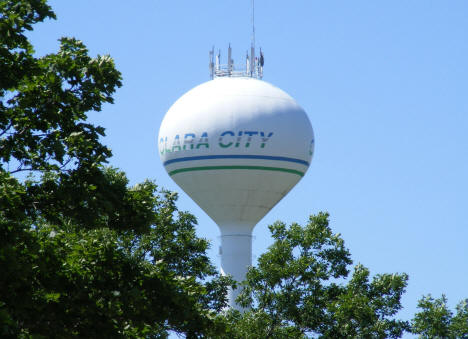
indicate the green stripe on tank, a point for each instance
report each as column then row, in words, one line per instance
column 210, row 168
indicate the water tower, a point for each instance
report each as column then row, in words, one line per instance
column 236, row 145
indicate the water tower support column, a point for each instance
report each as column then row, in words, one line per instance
column 236, row 257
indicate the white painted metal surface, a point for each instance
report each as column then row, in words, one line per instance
column 236, row 146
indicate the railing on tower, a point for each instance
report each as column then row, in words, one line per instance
column 253, row 67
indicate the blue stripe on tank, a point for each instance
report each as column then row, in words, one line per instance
column 236, row 156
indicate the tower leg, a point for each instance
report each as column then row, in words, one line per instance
column 236, row 257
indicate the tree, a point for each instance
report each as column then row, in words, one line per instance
column 83, row 254
column 297, row 290
column 435, row 320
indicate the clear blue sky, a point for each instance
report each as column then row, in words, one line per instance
column 385, row 87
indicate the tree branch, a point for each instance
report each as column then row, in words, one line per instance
column 6, row 129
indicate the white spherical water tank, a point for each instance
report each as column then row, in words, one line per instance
column 236, row 146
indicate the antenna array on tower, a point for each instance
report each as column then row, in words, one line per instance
column 253, row 67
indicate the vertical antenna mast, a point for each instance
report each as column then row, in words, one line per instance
column 253, row 23
column 252, row 45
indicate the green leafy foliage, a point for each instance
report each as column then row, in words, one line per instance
column 298, row 290
column 43, row 109
column 16, row 52
column 435, row 320
column 365, row 309
column 82, row 253
column 102, row 283
column 459, row 324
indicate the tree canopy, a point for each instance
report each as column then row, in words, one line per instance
column 435, row 320
column 298, row 290
column 301, row 287
column 81, row 252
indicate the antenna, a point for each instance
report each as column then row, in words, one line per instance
column 253, row 24
column 252, row 43
column 211, row 64
column 253, row 64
